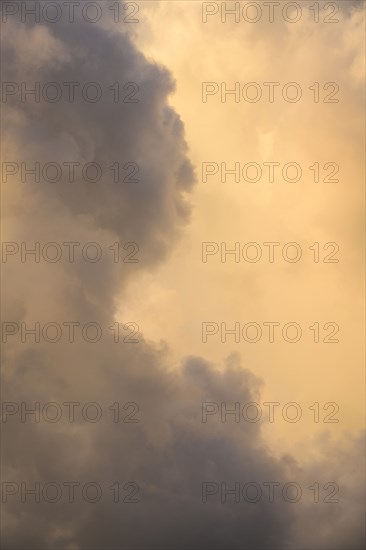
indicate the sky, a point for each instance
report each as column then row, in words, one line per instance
column 189, row 328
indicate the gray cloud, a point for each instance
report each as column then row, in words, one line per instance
column 170, row 452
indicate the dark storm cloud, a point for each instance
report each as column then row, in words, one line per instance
column 170, row 452
column 169, row 455
column 147, row 132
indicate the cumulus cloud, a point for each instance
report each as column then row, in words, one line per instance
column 170, row 452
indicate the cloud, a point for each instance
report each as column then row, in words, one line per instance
column 170, row 452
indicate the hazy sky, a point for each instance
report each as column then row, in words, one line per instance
column 136, row 101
